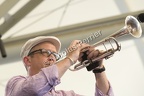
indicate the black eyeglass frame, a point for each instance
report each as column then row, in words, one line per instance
column 56, row 55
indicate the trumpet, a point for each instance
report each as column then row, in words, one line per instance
column 132, row 27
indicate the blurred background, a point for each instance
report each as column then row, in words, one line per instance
column 68, row 20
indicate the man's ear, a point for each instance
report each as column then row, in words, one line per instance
column 27, row 61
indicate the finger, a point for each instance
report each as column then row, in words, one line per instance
column 101, row 51
column 90, row 49
column 85, row 49
column 80, row 56
column 82, row 47
column 75, row 42
column 93, row 54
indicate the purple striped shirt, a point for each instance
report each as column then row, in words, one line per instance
column 42, row 84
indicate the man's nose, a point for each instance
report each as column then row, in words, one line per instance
column 51, row 58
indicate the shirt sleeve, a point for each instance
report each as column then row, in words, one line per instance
column 100, row 93
column 36, row 85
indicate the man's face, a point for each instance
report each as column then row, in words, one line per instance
column 40, row 58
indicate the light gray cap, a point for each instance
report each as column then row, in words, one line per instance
column 26, row 48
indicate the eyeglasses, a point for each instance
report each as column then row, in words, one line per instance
column 46, row 53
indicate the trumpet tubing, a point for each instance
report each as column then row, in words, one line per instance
column 132, row 27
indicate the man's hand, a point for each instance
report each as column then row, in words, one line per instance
column 75, row 49
column 91, row 53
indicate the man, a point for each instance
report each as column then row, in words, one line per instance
column 44, row 70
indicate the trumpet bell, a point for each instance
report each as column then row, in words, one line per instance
column 133, row 26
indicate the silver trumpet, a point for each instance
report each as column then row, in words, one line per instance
column 132, row 27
